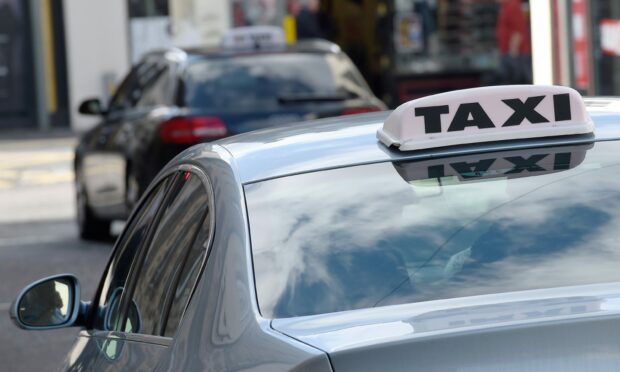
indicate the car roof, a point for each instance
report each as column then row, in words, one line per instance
column 351, row 140
column 313, row 46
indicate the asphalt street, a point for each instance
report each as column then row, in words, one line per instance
column 38, row 238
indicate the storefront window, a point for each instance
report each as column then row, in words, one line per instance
column 606, row 46
column 148, row 8
column 446, row 45
column 487, row 36
column 257, row 12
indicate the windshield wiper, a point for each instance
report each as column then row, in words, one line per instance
column 294, row 98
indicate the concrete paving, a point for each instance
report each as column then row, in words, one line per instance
column 38, row 238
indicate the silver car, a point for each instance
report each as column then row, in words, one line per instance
column 478, row 233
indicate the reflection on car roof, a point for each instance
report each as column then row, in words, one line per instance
column 306, row 46
column 336, row 142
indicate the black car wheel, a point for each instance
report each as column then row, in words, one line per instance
column 90, row 227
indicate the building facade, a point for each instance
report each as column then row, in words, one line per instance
column 56, row 53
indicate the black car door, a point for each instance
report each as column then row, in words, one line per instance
column 105, row 164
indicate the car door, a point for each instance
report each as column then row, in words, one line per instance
column 105, row 164
column 142, row 319
column 89, row 344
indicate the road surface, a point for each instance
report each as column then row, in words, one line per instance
column 38, row 237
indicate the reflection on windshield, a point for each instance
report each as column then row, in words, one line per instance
column 365, row 236
column 263, row 82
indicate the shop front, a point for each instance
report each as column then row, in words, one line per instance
column 412, row 48
column 605, row 21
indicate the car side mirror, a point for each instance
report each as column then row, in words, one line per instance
column 49, row 303
column 91, row 106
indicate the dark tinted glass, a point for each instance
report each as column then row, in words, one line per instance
column 166, row 257
column 187, row 280
column 267, row 81
column 392, row 233
column 157, row 89
column 140, row 78
column 116, row 275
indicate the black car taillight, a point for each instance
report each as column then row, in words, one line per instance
column 360, row 110
column 193, row 129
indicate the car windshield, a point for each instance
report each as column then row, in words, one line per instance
column 264, row 82
column 404, row 232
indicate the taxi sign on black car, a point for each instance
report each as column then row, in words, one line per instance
column 485, row 115
column 253, row 38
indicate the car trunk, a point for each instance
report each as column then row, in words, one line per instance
column 567, row 329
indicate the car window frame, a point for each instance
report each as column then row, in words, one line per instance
column 134, row 272
column 111, row 109
column 95, row 311
column 132, row 77
column 168, row 71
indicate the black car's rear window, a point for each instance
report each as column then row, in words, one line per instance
column 257, row 82
column 392, row 233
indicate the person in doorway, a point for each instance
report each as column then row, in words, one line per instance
column 307, row 19
column 513, row 42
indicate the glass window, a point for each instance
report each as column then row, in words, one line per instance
column 393, row 233
column 164, row 266
column 148, row 8
column 266, row 82
column 140, row 78
column 157, row 88
column 118, row 270
column 189, row 276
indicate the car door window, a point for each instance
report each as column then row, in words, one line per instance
column 127, row 93
column 156, row 89
column 115, row 277
column 189, row 276
column 137, row 81
column 168, row 270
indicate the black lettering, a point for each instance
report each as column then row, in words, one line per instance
column 524, row 110
column 562, row 161
column 432, row 117
column 561, row 106
column 436, row 171
column 479, row 118
column 472, row 170
column 529, row 164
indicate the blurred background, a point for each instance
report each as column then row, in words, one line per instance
column 54, row 54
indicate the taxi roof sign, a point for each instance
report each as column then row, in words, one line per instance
column 254, row 38
column 486, row 114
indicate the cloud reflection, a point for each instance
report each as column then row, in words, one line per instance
column 361, row 236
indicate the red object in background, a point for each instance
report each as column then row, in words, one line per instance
column 194, row 129
column 610, row 36
column 580, row 42
column 511, row 20
column 360, row 110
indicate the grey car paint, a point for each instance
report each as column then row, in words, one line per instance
column 575, row 327
column 222, row 329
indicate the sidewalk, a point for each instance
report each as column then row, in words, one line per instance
column 32, row 139
column 36, row 175
column 35, row 134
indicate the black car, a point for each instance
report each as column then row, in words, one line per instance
column 176, row 98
